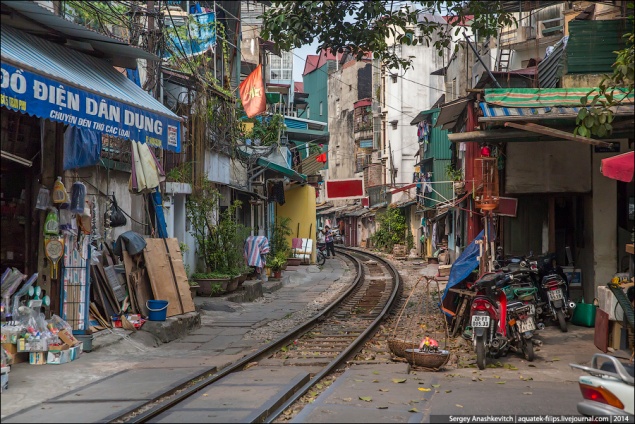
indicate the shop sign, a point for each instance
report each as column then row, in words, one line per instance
column 34, row 94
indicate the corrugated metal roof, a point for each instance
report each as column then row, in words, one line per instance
column 439, row 146
column 550, row 68
column 591, row 45
column 74, row 68
column 41, row 21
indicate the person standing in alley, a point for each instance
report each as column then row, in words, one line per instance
column 328, row 236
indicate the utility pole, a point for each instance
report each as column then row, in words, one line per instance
column 151, row 79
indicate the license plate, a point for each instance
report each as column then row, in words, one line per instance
column 555, row 294
column 480, row 321
column 526, row 324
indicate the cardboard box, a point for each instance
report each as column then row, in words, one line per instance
column 14, row 357
column 37, row 358
column 76, row 351
column 67, row 337
column 58, row 357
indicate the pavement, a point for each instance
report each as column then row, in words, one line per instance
column 125, row 369
column 121, row 371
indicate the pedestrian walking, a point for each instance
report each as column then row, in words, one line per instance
column 330, row 246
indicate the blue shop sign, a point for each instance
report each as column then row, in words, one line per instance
column 37, row 95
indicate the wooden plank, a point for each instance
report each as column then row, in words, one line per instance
column 106, row 289
column 143, row 290
column 128, row 269
column 601, row 335
column 180, row 276
column 161, row 280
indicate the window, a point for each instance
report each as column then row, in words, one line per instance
column 281, row 68
column 321, row 111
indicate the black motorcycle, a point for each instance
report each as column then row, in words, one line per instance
column 554, row 290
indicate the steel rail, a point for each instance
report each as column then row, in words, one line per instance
column 206, row 379
column 353, row 347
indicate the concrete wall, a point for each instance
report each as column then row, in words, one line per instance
column 299, row 206
column 604, row 223
column 217, row 167
column 316, row 86
column 581, row 80
column 344, row 89
column 109, row 182
column 405, row 98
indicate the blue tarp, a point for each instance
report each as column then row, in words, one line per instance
column 82, row 147
column 463, row 266
column 158, row 209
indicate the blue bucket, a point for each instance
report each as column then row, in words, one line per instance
column 158, row 310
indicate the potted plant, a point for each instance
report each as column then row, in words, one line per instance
column 279, row 238
column 219, row 237
column 276, row 264
column 456, row 175
column 206, row 280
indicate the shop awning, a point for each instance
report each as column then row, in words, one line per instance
column 493, row 113
column 619, row 167
column 54, row 82
column 271, row 160
column 421, row 116
column 546, row 97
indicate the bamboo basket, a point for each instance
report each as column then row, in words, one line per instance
column 408, row 347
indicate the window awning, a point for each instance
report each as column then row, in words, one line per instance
column 619, row 167
column 50, row 81
column 421, row 116
column 493, row 113
column 273, row 161
column 547, row 97
column 450, row 113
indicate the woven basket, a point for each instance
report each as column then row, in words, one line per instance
column 404, row 346
column 398, row 346
column 432, row 360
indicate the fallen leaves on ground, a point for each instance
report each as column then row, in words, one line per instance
column 424, row 389
column 413, row 410
column 399, row 380
column 366, row 398
column 527, row 393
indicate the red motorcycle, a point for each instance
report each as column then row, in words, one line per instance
column 499, row 325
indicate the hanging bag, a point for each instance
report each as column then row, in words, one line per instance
column 115, row 214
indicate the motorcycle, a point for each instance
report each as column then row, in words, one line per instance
column 337, row 237
column 321, row 253
column 555, row 292
column 499, row 326
column 608, row 390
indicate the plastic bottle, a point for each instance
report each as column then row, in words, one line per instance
column 52, row 223
column 59, row 192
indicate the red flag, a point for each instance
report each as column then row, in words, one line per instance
column 252, row 93
column 321, row 158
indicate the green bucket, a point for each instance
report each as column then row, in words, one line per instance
column 584, row 314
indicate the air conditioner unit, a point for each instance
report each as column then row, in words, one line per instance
column 375, row 156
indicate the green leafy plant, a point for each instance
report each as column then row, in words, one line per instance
column 267, row 130
column 209, row 275
column 361, row 27
column 453, row 173
column 391, row 231
column 216, row 288
column 181, row 173
column 219, row 237
column 279, row 236
column 277, row 262
column 596, row 119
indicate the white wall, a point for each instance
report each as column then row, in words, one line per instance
column 217, row 167
column 405, row 98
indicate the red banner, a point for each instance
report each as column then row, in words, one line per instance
column 352, row 188
column 252, row 93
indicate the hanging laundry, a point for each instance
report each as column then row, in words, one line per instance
column 146, row 172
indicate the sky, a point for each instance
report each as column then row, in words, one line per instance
column 298, row 62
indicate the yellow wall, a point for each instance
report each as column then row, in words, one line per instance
column 299, row 206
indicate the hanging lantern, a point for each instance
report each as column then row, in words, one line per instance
column 485, row 151
column 486, row 195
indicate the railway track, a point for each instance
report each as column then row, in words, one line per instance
column 299, row 359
